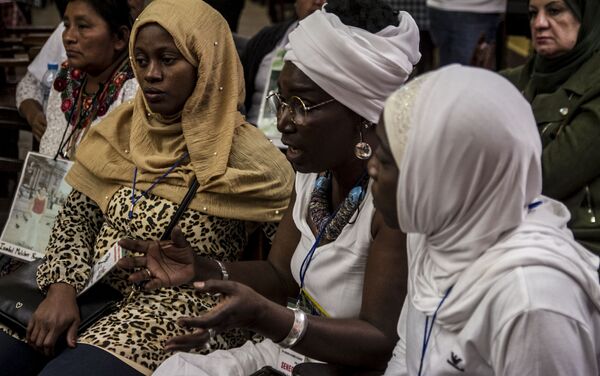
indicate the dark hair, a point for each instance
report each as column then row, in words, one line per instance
column 61, row 5
column 370, row 15
column 116, row 13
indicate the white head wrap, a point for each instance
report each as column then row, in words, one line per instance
column 357, row 68
column 468, row 173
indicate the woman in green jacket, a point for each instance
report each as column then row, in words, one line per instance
column 562, row 83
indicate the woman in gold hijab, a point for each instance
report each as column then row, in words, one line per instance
column 132, row 172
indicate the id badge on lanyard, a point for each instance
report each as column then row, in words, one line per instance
column 288, row 358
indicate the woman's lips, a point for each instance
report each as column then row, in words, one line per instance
column 154, row 96
column 540, row 40
column 72, row 53
column 292, row 153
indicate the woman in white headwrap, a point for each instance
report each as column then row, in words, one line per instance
column 332, row 253
column 497, row 285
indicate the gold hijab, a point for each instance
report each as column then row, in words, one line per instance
column 241, row 174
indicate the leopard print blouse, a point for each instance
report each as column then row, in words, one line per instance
column 137, row 331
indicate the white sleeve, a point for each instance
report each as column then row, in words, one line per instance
column 240, row 361
column 542, row 342
column 397, row 364
column 29, row 88
column 53, row 51
column 128, row 91
column 57, row 124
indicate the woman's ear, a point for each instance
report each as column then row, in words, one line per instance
column 121, row 38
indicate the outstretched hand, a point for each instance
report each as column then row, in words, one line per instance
column 240, row 307
column 163, row 264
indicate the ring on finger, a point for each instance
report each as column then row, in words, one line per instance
column 148, row 273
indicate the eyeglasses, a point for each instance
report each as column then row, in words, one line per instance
column 295, row 105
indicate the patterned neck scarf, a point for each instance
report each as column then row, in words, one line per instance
column 81, row 108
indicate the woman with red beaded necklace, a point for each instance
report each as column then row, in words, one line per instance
column 96, row 77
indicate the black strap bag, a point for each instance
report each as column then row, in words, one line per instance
column 20, row 297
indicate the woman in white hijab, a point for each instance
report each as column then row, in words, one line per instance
column 497, row 285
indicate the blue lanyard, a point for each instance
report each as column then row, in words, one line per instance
column 309, row 256
column 428, row 329
column 134, row 200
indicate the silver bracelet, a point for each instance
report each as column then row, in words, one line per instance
column 224, row 272
column 298, row 329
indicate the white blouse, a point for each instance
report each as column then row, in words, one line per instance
column 335, row 277
column 534, row 321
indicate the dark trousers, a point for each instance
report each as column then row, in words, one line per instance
column 18, row 358
column 456, row 33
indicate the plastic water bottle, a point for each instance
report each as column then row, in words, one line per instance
column 48, row 81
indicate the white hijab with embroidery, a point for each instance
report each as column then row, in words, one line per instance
column 358, row 68
column 469, row 153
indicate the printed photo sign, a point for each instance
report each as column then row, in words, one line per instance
column 39, row 197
